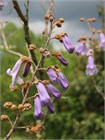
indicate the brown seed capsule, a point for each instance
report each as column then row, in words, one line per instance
column 58, row 24
column 61, row 20
column 8, row 104
column 82, row 19
column 13, row 107
column 4, row 117
column 20, row 106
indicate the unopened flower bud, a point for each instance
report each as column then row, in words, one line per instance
column 4, row 117
column 13, row 107
column 58, row 24
column 61, row 20
column 14, row 88
column 51, row 18
column 27, row 106
column 20, row 106
column 89, row 20
column 28, row 129
column 8, row 104
column 93, row 19
column 47, row 16
column 82, row 19
column 32, row 47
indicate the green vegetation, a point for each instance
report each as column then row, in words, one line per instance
column 80, row 111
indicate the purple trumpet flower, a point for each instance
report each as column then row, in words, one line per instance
column 46, row 53
column 82, row 49
column 102, row 40
column 26, row 69
column 62, row 60
column 91, row 68
column 14, row 73
column 43, row 94
column 38, row 113
column 62, row 81
column 50, row 107
column 53, row 91
column 68, row 44
column 52, row 74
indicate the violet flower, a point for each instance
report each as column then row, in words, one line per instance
column 62, row 60
column 14, row 73
column 26, row 69
column 82, row 49
column 53, row 91
column 52, row 74
column 38, row 113
column 62, row 81
column 50, row 107
column 91, row 68
column 43, row 94
column 46, row 53
column 102, row 40
column 68, row 44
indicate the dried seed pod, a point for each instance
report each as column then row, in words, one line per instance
column 20, row 106
column 8, row 104
column 82, row 19
column 13, row 107
column 61, row 20
column 4, row 117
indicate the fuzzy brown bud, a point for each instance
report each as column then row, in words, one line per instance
column 82, row 19
column 13, row 107
column 58, row 24
column 27, row 106
column 20, row 106
column 14, row 88
column 8, row 104
column 93, row 19
column 4, row 117
column 61, row 20
column 47, row 16
column 32, row 47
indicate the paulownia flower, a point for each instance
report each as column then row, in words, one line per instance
column 82, row 49
column 14, row 73
column 38, row 113
column 52, row 74
column 62, row 81
column 26, row 69
column 102, row 40
column 53, row 91
column 68, row 44
column 91, row 68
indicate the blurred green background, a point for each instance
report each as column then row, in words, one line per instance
column 79, row 114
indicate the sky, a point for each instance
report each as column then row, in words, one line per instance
column 70, row 10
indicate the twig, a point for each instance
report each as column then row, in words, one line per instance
column 98, row 89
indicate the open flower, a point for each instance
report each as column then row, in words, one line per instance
column 62, row 81
column 91, row 68
column 14, row 73
column 102, row 40
column 38, row 113
column 53, row 91
column 82, row 49
column 68, row 44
